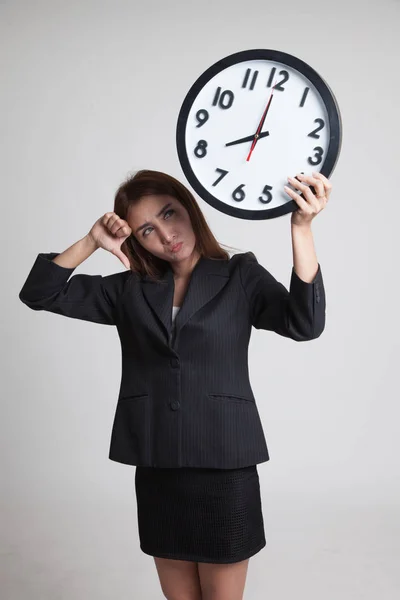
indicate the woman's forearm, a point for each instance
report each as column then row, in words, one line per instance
column 305, row 260
column 77, row 253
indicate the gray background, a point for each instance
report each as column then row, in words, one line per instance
column 90, row 93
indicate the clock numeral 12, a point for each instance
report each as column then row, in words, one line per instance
column 278, row 86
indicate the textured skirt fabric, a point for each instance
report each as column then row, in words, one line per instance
column 198, row 514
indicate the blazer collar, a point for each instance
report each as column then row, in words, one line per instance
column 208, row 278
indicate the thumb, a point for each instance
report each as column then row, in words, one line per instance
column 123, row 258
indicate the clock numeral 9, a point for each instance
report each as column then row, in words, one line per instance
column 318, row 156
column 224, row 100
column 202, row 117
column 201, row 149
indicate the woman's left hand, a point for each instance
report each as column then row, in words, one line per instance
column 311, row 204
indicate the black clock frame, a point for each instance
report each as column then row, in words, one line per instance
column 334, row 117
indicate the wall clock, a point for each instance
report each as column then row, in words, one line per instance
column 247, row 123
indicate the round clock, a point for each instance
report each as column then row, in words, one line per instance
column 251, row 120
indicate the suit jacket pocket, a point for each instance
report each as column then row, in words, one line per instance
column 133, row 396
column 230, row 398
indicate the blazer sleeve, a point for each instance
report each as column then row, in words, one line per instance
column 298, row 314
column 87, row 297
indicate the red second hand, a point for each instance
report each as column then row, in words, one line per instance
column 260, row 124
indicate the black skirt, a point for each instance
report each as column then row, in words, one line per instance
column 198, row 514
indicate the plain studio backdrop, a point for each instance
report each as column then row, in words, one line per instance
column 90, row 92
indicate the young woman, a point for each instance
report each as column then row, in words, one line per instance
column 186, row 415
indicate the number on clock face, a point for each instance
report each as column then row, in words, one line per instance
column 221, row 116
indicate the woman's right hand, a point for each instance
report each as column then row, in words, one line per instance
column 109, row 232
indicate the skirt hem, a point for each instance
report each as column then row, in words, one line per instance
column 204, row 559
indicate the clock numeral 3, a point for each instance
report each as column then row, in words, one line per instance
column 313, row 134
column 222, row 176
column 202, row 117
column 224, row 100
column 266, row 192
column 201, row 149
column 238, row 194
column 317, row 156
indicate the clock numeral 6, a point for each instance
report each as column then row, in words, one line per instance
column 202, row 117
column 201, row 149
column 238, row 194
column 318, row 156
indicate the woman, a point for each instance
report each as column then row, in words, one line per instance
column 186, row 415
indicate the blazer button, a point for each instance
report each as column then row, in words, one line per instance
column 174, row 363
column 175, row 405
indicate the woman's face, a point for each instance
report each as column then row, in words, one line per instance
column 160, row 222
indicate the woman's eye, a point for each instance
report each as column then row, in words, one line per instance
column 171, row 210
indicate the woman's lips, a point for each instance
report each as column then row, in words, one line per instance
column 177, row 247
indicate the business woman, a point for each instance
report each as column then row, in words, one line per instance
column 186, row 416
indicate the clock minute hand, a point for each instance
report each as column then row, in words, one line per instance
column 249, row 138
column 260, row 126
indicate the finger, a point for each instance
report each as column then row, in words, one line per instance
column 317, row 184
column 325, row 181
column 123, row 230
column 306, row 191
column 109, row 220
column 116, row 225
column 303, row 204
column 317, row 189
column 123, row 258
column 106, row 218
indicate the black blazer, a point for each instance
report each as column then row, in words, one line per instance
column 185, row 398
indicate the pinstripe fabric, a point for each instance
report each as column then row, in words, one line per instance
column 185, row 398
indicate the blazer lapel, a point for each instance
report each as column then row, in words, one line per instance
column 208, row 277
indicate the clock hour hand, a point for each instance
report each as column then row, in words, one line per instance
column 249, row 138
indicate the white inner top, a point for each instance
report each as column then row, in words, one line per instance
column 175, row 310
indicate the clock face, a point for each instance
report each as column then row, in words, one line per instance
column 221, row 114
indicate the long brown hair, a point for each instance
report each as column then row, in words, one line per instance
column 144, row 183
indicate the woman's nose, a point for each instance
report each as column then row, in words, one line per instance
column 166, row 235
